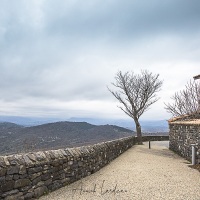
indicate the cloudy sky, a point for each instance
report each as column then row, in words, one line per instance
column 58, row 57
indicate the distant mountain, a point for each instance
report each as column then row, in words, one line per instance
column 27, row 121
column 9, row 125
column 148, row 126
column 15, row 138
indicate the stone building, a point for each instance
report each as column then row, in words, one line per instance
column 185, row 131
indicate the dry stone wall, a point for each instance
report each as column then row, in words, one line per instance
column 31, row 175
column 182, row 134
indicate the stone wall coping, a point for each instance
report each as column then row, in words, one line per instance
column 189, row 117
column 33, row 158
column 188, row 122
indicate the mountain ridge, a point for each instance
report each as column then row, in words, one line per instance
column 148, row 126
column 56, row 135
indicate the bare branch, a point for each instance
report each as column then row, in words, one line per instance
column 136, row 92
column 185, row 102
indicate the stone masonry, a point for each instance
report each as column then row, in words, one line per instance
column 27, row 176
column 182, row 134
column 31, row 175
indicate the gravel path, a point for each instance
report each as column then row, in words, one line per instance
column 138, row 174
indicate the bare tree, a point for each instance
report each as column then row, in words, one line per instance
column 136, row 92
column 185, row 102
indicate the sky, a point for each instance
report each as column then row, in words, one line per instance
column 58, row 57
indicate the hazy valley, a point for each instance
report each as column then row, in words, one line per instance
column 26, row 135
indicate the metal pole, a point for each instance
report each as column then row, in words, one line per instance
column 149, row 144
column 193, row 154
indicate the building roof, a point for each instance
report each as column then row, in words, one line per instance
column 186, row 119
column 190, row 122
column 196, row 77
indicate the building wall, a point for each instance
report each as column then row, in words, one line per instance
column 30, row 175
column 181, row 136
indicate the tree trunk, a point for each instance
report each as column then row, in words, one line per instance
column 139, row 131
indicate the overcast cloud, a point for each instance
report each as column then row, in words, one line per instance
column 57, row 57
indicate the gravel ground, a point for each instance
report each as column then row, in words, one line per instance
column 197, row 167
column 138, row 174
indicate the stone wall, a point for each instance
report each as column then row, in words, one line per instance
column 182, row 134
column 31, row 175
column 155, row 138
